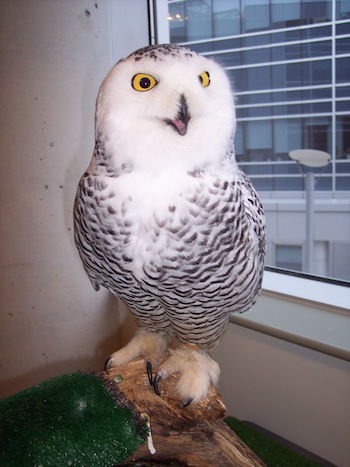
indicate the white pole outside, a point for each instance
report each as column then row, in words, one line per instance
column 309, row 212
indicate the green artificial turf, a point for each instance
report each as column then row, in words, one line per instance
column 270, row 451
column 68, row 420
column 81, row 420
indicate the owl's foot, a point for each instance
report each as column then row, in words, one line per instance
column 197, row 370
column 149, row 345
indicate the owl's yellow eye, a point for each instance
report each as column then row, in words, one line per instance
column 143, row 82
column 204, row 78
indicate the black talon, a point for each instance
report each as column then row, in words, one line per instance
column 187, row 403
column 107, row 364
column 156, row 382
column 149, row 372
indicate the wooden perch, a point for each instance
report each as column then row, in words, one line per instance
column 194, row 436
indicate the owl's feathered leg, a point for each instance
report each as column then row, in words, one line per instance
column 149, row 345
column 197, row 370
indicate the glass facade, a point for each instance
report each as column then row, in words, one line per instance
column 289, row 63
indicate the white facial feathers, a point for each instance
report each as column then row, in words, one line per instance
column 178, row 111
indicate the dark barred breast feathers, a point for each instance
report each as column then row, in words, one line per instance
column 182, row 271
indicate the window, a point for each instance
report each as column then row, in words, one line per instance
column 289, row 62
column 284, row 12
column 343, row 9
column 289, row 257
column 255, row 15
column 226, row 18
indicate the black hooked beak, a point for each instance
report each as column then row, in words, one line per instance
column 182, row 118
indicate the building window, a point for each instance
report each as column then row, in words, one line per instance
column 289, row 257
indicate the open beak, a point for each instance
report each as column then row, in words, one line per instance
column 182, row 118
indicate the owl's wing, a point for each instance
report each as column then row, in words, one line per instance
column 254, row 211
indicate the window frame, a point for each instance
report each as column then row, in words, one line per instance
column 322, row 307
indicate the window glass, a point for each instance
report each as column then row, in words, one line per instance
column 317, row 72
column 291, row 93
column 343, row 91
column 343, row 138
column 256, row 39
column 289, row 257
column 199, row 24
column 289, row 52
column 258, row 140
column 343, row 106
column 227, row 44
column 317, row 133
column 343, row 45
column 316, row 32
column 287, row 137
column 316, row 11
column 287, row 75
column 177, row 22
column 259, row 98
column 285, row 13
column 343, row 184
column 343, row 70
column 343, row 9
column 257, row 78
column 226, row 17
column 256, row 15
column 256, row 56
column 317, row 49
column 258, row 111
column 229, row 59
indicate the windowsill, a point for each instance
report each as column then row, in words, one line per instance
column 320, row 292
column 311, row 313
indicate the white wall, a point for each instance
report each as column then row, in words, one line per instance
column 53, row 55
column 295, row 392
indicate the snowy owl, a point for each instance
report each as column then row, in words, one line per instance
column 164, row 217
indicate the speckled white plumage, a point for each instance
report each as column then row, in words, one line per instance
column 164, row 218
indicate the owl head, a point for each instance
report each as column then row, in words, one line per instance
column 165, row 106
